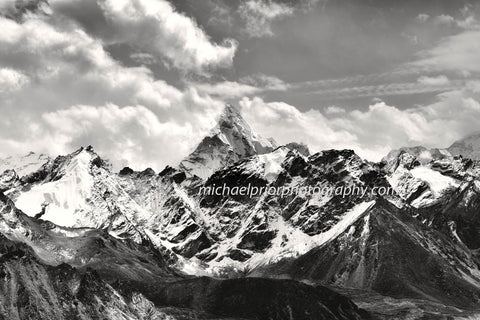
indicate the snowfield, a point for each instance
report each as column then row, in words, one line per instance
column 64, row 197
column 437, row 182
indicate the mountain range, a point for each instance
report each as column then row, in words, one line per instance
column 78, row 240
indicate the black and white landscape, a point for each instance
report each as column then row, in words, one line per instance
column 122, row 120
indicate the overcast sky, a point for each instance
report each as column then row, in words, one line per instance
column 143, row 80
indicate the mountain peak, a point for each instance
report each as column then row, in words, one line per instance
column 230, row 140
column 468, row 147
column 230, row 118
column 24, row 164
column 230, row 110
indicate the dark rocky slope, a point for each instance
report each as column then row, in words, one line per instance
column 393, row 254
column 87, row 274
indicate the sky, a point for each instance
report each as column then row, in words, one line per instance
column 144, row 80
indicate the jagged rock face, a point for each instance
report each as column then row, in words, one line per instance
column 423, row 177
column 412, row 156
column 8, row 179
column 468, row 147
column 50, row 272
column 444, row 188
column 83, row 247
column 30, row 289
column 23, row 165
column 300, row 147
column 263, row 228
column 388, row 251
column 231, row 140
column 176, row 220
column 459, row 214
column 145, row 223
column 78, row 190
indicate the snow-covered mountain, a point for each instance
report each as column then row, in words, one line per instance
column 53, row 272
column 78, row 190
column 393, row 254
column 468, row 147
column 24, row 164
column 361, row 241
column 411, row 172
column 230, row 140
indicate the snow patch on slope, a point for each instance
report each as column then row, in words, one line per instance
column 63, row 196
column 232, row 139
column 23, row 165
column 272, row 163
column 437, row 182
column 268, row 165
column 289, row 242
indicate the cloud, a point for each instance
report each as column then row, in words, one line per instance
column 444, row 19
column 154, row 27
column 11, row 79
column 334, row 110
column 266, row 82
column 468, row 21
column 143, row 58
column 17, row 9
column 465, row 19
column 66, row 90
column 372, row 132
column 434, row 81
column 226, row 89
column 259, row 15
column 423, row 17
column 286, row 123
column 457, row 53
column 131, row 135
column 60, row 85
column 221, row 14
column 422, row 85
column 246, row 86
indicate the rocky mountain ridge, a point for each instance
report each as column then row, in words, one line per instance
column 361, row 241
column 51, row 272
column 230, row 140
column 469, row 147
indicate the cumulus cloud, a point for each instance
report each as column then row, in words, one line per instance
column 60, row 87
column 423, row 17
column 467, row 21
column 69, row 91
column 132, row 135
column 259, row 15
column 465, row 18
column 444, row 19
column 11, row 79
column 286, row 123
column 371, row 132
column 153, row 26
